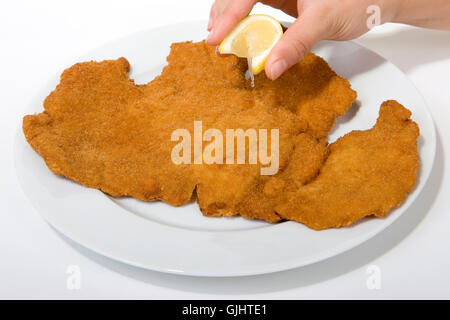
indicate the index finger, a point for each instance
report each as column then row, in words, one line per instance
column 234, row 11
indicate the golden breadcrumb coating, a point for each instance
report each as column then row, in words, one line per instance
column 102, row 130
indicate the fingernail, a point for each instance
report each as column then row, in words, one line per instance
column 277, row 68
column 210, row 35
column 210, row 23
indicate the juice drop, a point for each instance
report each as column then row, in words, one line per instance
column 250, row 73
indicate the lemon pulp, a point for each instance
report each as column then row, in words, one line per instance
column 253, row 38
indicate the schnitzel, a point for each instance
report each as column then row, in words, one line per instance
column 102, row 130
column 366, row 173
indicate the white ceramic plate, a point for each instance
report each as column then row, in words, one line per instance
column 180, row 240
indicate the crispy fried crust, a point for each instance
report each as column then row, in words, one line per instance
column 103, row 131
column 367, row 173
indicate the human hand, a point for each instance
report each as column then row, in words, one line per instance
column 316, row 20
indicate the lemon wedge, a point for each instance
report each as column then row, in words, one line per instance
column 253, row 38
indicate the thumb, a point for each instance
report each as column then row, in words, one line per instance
column 295, row 43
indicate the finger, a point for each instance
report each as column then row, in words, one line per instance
column 234, row 12
column 288, row 7
column 212, row 16
column 296, row 42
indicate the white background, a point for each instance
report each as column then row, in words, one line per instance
column 41, row 38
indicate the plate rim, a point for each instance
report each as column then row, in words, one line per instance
column 271, row 268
